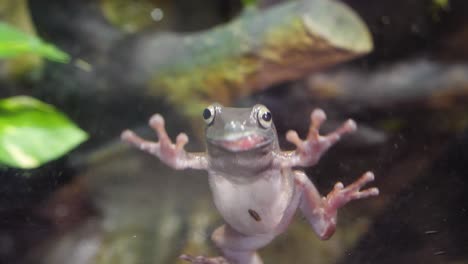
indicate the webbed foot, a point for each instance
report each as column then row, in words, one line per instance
column 315, row 145
column 341, row 195
column 173, row 154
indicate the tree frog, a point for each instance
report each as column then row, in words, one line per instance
column 254, row 183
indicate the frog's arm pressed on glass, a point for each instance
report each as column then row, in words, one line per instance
column 254, row 186
column 174, row 155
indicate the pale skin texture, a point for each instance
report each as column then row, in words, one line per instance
column 254, row 186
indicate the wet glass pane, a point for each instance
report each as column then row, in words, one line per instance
column 241, row 132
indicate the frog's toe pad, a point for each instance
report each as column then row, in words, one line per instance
column 203, row 259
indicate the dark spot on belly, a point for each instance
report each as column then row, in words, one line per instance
column 255, row 215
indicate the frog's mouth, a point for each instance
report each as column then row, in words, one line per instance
column 243, row 143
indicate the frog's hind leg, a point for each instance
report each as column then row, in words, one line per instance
column 203, row 259
column 321, row 211
column 236, row 247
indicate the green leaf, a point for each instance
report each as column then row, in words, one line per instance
column 33, row 133
column 14, row 43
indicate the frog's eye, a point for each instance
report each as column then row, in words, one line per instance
column 264, row 117
column 209, row 114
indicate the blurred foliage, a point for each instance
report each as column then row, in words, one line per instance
column 33, row 133
column 16, row 13
column 132, row 16
column 441, row 4
column 247, row 3
column 438, row 6
column 15, row 43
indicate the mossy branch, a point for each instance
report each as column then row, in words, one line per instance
column 255, row 51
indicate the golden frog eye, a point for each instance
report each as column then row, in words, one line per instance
column 264, row 117
column 209, row 114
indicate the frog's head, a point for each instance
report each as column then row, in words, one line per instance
column 240, row 141
column 238, row 130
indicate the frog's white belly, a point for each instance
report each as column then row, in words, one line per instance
column 254, row 207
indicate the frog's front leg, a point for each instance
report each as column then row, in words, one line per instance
column 320, row 211
column 310, row 150
column 173, row 155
